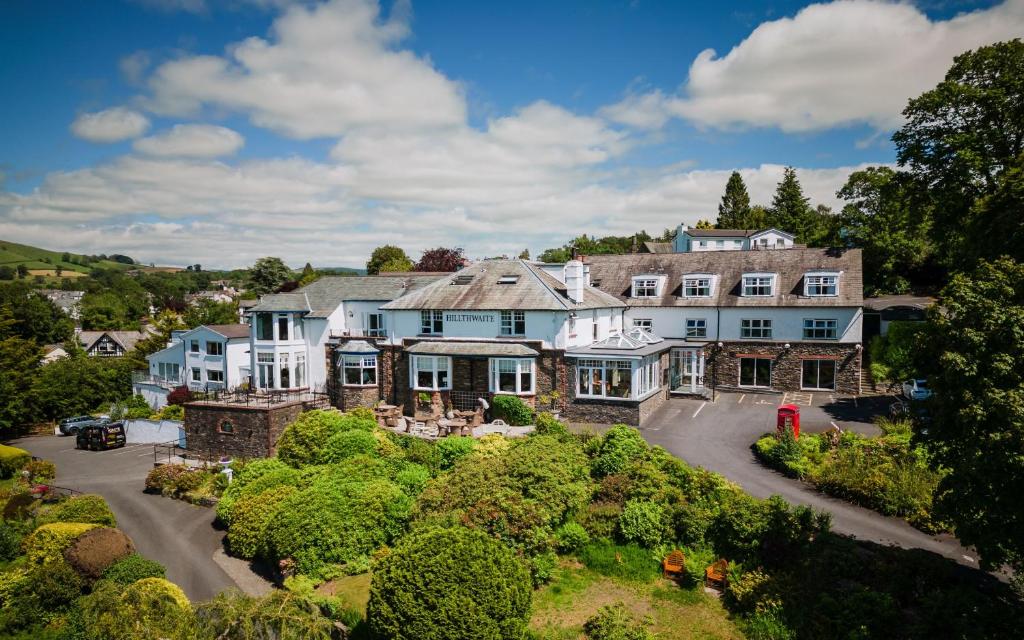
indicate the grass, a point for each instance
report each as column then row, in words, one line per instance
column 353, row 590
column 577, row 593
column 12, row 254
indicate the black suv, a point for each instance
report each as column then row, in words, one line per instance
column 99, row 437
column 71, row 426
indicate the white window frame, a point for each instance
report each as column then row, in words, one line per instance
column 375, row 318
column 694, row 283
column 300, row 369
column 217, row 348
column 754, row 283
column 821, row 329
column 647, row 324
column 431, row 322
column 282, row 370
column 605, row 367
column 821, row 285
column 756, row 328
column 647, row 379
column 513, row 323
column 646, row 287
column 696, row 328
column 520, row 367
column 362, row 364
column 215, row 375
column 434, row 365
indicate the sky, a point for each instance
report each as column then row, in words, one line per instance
column 219, row 131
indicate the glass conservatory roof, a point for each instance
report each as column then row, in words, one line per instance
column 635, row 338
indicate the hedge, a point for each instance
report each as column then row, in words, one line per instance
column 148, row 608
column 133, row 568
column 255, row 477
column 12, row 460
column 441, row 584
column 88, row 508
column 620, row 446
column 512, row 410
column 249, row 520
column 305, row 441
column 46, row 544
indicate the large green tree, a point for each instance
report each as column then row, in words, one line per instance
column 972, row 352
column 388, row 258
column 19, row 364
column 961, row 136
column 791, row 210
column 106, row 311
column 734, row 209
column 268, row 274
column 996, row 224
column 207, row 311
column 33, row 316
column 887, row 217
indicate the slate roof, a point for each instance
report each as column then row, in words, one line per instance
column 476, row 287
column 614, row 274
column 658, row 247
column 126, row 339
column 880, row 303
column 359, row 347
column 293, row 301
column 716, row 233
column 230, row 330
column 321, row 298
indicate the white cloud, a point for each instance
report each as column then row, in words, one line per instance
column 847, row 62
column 110, row 125
column 134, row 65
column 325, row 71
column 192, row 140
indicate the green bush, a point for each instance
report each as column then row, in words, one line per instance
column 549, row 425
column 149, row 608
column 571, row 537
column 88, row 508
column 12, row 460
column 255, row 477
column 631, row 561
column 133, row 568
column 512, row 410
column 279, row 615
column 11, row 535
column 619, row 447
column 642, row 521
column 451, row 450
column 413, row 478
column 305, row 441
column 615, row 623
column 38, row 596
column 172, row 412
column 46, row 544
column 40, row 471
column 449, row 584
column 346, row 444
column 250, row 516
column 20, row 506
column 542, row 567
column 164, row 477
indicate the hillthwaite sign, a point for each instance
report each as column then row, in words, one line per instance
column 469, row 317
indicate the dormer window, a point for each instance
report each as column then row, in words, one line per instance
column 697, row 285
column 821, row 284
column 758, row 284
column 645, row 287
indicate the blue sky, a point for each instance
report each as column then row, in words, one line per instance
column 183, row 131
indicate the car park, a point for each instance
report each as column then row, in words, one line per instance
column 100, row 437
column 916, row 390
column 71, row 426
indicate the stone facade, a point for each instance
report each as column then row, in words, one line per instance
column 724, row 364
column 355, row 397
column 601, row 411
column 239, row 431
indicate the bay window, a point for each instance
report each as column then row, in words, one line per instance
column 431, row 373
column 359, row 370
column 512, row 375
column 265, row 367
column 604, row 378
column 286, row 378
column 282, row 327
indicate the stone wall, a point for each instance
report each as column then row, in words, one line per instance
column 603, row 411
column 354, row 397
column 253, row 433
column 724, row 366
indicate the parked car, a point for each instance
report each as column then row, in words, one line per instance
column 916, row 390
column 100, row 437
column 71, row 426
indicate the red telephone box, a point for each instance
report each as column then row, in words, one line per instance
column 789, row 418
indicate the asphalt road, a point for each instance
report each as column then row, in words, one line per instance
column 717, row 436
column 177, row 534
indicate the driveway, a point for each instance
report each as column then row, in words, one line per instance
column 179, row 535
column 717, row 436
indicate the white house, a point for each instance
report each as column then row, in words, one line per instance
column 689, row 239
column 207, row 357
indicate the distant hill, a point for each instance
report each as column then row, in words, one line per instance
column 44, row 262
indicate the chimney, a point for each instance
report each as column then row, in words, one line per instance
column 574, row 280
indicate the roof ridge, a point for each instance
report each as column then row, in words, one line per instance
column 547, row 287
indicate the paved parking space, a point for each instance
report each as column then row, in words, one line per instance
column 718, row 436
column 180, row 536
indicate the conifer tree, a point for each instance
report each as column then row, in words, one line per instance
column 734, row 210
column 791, row 210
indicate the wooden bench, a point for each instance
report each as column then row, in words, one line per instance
column 717, row 575
column 674, row 564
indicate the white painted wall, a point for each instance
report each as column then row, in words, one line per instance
column 787, row 323
column 772, row 239
column 485, row 325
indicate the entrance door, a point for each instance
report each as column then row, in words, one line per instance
column 755, row 372
column 688, row 370
column 818, row 374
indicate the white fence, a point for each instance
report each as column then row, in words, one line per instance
column 154, row 431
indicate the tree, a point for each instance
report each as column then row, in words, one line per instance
column 19, row 362
column 791, row 210
column 7, row 273
column 996, row 226
column 972, row 353
column 165, row 323
column 309, row 274
column 80, row 384
column 65, row 257
column 59, row 270
column 884, row 217
column 207, row 311
column 440, row 259
column 106, row 311
column 268, row 274
column 33, row 316
column 734, row 210
column 704, row 224
column 961, row 136
column 388, row 258
column 22, row 271
column 450, row 584
column 524, row 254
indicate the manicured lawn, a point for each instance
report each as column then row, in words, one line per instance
column 576, row 593
column 354, row 590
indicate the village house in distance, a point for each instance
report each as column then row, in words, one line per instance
column 613, row 335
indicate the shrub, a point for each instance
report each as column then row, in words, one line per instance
column 255, row 477
column 249, row 519
column 133, row 568
column 94, row 551
column 615, row 623
column 542, row 567
column 622, row 561
column 492, row 445
column 46, row 544
column 41, row 471
column 642, row 521
column 413, row 478
column 89, row 508
column 164, row 477
column 449, row 584
column 512, row 410
column 179, row 396
column 11, row 535
column 601, row 519
column 172, row 412
column 571, row 537
column 305, row 440
column 281, row 615
column 549, row 425
column 19, row 506
column 39, row 596
column 451, row 450
column 149, row 608
column 12, row 460
column 620, row 446
column 346, row 444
